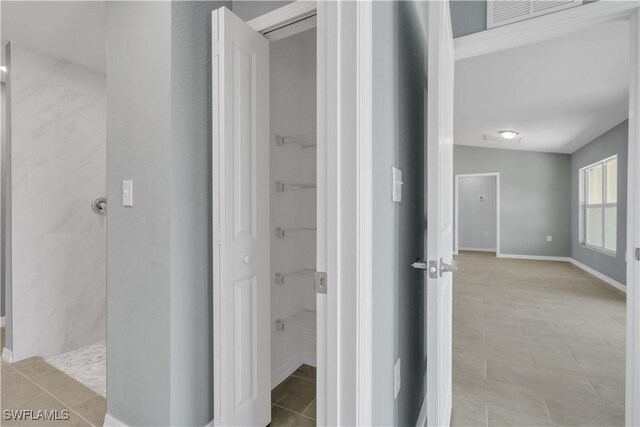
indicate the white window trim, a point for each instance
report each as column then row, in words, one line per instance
column 584, row 206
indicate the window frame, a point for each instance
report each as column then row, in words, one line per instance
column 603, row 205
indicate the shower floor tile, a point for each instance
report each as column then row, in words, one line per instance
column 87, row 365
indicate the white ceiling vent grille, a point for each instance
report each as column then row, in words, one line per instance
column 502, row 12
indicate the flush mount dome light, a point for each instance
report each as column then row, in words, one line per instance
column 508, row 134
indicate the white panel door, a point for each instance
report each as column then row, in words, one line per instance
column 439, row 213
column 241, row 284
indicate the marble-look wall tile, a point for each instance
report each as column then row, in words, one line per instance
column 58, row 158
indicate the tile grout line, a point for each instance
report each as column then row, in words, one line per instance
column 571, row 353
column 294, row 412
column 546, row 407
column 56, row 399
column 308, row 406
column 598, row 393
column 302, row 378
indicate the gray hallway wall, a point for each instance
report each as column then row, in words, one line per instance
column 159, row 255
column 535, row 194
column 477, row 216
column 398, row 140
column 613, row 142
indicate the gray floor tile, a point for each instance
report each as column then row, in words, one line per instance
column 552, row 344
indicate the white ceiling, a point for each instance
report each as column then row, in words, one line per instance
column 70, row 30
column 559, row 94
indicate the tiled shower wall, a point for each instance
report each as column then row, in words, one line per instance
column 58, row 166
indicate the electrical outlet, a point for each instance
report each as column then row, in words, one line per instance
column 549, row 238
column 397, row 378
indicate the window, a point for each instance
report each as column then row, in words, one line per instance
column 600, row 205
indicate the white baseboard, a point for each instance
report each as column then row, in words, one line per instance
column 7, row 355
column 608, row 280
column 422, row 416
column 285, row 370
column 536, row 257
column 111, row 421
column 477, row 249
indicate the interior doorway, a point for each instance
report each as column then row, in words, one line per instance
column 477, row 212
column 265, row 152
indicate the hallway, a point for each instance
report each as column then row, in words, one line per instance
column 535, row 343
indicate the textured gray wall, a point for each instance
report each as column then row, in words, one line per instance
column 4, row 138
column 138, row 238
column 535, row 194
column 468, row 16
column 399, row 132
column 159, row 272
column 477, row 218
column 248, row 9
column 614, row 141
column 190, row 199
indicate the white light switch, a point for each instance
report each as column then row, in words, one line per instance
column 396, row 177
column 549, row 238
column 127, row 193
column 397, row 378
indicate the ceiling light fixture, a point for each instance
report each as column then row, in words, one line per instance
column 508, row 134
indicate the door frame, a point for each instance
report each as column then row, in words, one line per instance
column 456, row 204
column 344, row 230
column 556, row 25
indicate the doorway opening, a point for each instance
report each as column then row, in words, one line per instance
column 546, row 315
column 265, row 217
column 477, row 212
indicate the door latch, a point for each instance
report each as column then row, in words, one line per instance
column 433, row 268
column 321, row 282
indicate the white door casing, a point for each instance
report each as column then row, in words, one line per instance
column 241, row 279
column 439, row 242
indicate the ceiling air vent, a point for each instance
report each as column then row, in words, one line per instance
column 502, row 12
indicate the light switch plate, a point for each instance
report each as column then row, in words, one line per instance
column 549, row 238
column 127, row 193
column 396, row 185
column 397, row 378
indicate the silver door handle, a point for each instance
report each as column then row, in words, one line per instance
column 434, row 268
column 448, row 268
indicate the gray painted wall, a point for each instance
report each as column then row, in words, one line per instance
column 535, row 194
column 398, row 129
column 138, row 238
column 247, row 9
column 159, row 273
column 476, row 216
column 190, row 183
column 5, row 214
column 3, row 140
column 613, row 142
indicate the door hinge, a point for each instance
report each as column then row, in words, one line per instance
column 216, row 49
column 321, row 282
column 636, row 254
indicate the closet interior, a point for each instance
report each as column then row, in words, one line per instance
column 293, row 203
